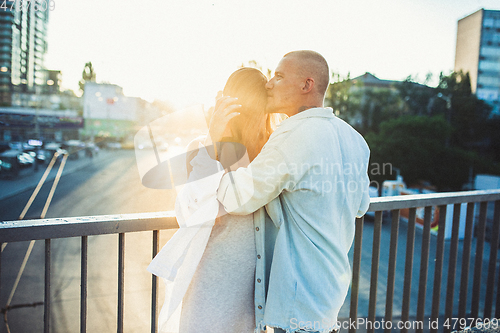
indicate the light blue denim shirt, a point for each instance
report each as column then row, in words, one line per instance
column 312, row 178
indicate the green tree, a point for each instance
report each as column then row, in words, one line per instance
column 88, row 75
column 341, row 99
column 466, row 113
column 416, row 145
column 362, row 107
column 417, row 97
column 378, row 105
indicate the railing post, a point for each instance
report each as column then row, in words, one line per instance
column 424, row 264
column 372, row 307
column 46, row 312
column 1, row 246
column 121, row 274
column 478, row 261
column 497, row 221
column 410, row 243
column 154, row 286
column 464, row 276
column 490, row 285
column 356, row 269
column 83, row 286
column 392, row 267
column 438, row 267
column 452, row 264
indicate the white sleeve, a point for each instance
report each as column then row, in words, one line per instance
column 200, row 189
column 245, row 190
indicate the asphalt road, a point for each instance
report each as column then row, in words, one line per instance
column 112, row 186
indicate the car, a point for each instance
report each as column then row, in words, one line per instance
column 75, row 148
column 114, row 145
column 91, row 149
column 13, row 162
column 35, row 152
column 16, row 145
column 4, row 146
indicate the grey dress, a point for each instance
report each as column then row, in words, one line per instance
column 220, row 297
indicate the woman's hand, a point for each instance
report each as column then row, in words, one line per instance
column 225, row 110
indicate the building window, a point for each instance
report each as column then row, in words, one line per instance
column 488, row 22
column 489, row 65
column 491, row 81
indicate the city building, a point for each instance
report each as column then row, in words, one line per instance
column 357, row 106
column 31, row 102
column 22, row 48
column 370, row 81
column 109, row 113
column 21, row 124
column 478, row 53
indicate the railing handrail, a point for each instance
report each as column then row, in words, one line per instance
column 25, row 230
column 432, row 199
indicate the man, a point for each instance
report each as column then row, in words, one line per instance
column 312, row 178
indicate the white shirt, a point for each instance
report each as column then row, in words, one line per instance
column 312, row 177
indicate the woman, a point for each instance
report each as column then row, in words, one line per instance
column 210, row 262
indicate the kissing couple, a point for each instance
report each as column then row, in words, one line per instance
column 262, row 242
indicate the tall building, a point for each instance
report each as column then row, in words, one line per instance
column 478, row 53
column 23, row 45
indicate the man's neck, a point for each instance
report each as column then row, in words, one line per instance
column 302, row 108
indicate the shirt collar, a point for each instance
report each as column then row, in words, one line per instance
column 310, row 113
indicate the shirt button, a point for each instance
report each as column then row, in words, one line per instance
column 258, row 280
column 257, row 228
column 260, row 307
column 258, row 256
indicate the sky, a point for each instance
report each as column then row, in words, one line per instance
column 184, row 51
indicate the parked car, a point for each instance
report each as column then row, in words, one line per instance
column 37, row 153
column 75, row 148
column 91, row 149
column 114, row 145
column 16, row 145
column 13, row 162
column 4, row 146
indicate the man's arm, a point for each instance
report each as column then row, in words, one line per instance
column 245, row 190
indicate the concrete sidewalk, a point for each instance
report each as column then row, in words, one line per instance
column 28, row 179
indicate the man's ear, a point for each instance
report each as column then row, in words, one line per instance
column 308, row 85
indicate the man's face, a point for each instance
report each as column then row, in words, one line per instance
column 284, row 88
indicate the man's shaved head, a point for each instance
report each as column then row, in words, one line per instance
column 312, row 64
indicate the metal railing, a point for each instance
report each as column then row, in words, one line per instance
column 440, row 200
column 47, row 229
